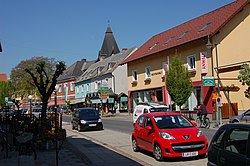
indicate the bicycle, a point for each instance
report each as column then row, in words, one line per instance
column 203, row 123
column 25, row 144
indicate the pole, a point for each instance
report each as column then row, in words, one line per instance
column 218, row 85
column 55, row 107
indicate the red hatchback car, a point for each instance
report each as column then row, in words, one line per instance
column 168, row 134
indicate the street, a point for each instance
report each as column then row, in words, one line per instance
column 116, row 136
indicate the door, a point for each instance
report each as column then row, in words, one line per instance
column 148, row 135
column 139, row 126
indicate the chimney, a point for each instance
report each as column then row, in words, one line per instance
column 3, row 77
column 124, row 49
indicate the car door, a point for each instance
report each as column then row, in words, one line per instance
column 235, row 148
column 246, row 117
column 148, row 135
column 139, row 130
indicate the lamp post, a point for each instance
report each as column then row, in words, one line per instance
column 30, row 99
column 56, row 141
column 209, row 46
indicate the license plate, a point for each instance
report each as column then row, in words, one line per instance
column 189, row 154
column 91, row 125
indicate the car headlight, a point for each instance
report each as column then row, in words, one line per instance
column 83, row 122
column 166, row 136
column 99, row 120
column 199, row 133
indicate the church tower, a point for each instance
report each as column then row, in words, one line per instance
column 109, row 45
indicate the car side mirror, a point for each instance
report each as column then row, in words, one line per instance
column 149, row 128
column 194, row 123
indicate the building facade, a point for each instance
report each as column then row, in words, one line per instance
column 216, row 40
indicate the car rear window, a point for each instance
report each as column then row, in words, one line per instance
column 172, row 121
column 88, row 113
column 158, row 109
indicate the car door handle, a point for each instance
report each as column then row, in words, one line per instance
column 222, row 159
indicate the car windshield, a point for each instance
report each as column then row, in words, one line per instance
column 88, row 113
column 172, row 121
column 159, row 109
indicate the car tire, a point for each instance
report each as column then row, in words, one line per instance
column 134, row 145
column 235, row 121
column 73, row 128
column 158, row 153
column 78, row 127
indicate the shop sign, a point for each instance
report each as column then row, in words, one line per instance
column 204, row 65
column 207, row 81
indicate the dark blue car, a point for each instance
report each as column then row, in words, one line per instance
column 86, row 119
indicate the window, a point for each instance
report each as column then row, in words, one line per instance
column 218, row 141
column 148, row 122
column 164, row 68
column 96, row 85
column 184, row 34
column 110, row 65
column 237, row 141
column 147, row 73
column 134, row 76
column 82, row 88
column 77, row 89
column 60, row 88
column 87, row 88
column 150, row 48
column 205, row 27
column 72, row 86
column 169, row 40
column 140, row 121
column 191, row 62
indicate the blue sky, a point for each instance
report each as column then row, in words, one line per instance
column 70, row 30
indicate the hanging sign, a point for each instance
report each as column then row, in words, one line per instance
column 204, row 65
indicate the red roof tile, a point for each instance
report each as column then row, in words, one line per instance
column 216, row 20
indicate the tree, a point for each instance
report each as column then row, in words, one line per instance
column 45, row 82
column 244, row 78
column 21, row 80
column 5, row 91
column 178, row 82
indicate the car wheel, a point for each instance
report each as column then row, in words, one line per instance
column 235, row 121
column 78, row 127
column 158, row 153
column 134, row 145
column 73, row 128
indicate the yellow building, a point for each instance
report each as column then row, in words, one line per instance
column 219, row 39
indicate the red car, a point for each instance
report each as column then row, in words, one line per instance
column 168, row 134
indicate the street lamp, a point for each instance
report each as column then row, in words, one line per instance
column 30, row 99
column 209, row 46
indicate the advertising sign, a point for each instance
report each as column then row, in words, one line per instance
column 207, row 81
column 204, row 65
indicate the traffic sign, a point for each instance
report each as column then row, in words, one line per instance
column 207, row 81
column 218, row 102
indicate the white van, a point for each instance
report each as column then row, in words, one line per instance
column 147, row 108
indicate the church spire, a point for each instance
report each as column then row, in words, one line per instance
column 109, row 45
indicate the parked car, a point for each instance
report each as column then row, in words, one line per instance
column 168, row 134
column 230, row 146
column 85, row 119
column 244, row 117
column 142, row 108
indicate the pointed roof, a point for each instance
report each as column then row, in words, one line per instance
column 109, row 45
column 75, row 70
column 197, row 28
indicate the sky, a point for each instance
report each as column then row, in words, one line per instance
column 71, row 30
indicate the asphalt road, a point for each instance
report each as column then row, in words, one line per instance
column 125, row 125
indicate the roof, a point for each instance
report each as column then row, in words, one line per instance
column 109, row 45
column 194, row 29
column 75, row 70
column 105, row 66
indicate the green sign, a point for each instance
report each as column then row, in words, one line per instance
column 104, row 92
column 207, row 81
column 111, row 100
column 9, row 103
column 124, row 99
